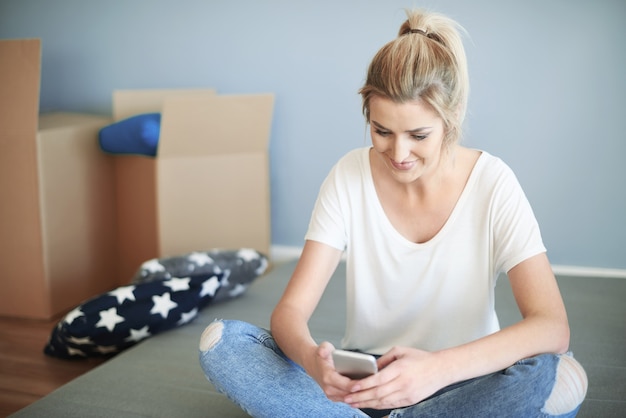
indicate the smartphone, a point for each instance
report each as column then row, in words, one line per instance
column 354, row 365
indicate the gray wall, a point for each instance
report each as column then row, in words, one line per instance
column 548, row 89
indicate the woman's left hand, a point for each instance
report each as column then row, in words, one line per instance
column 406, row 377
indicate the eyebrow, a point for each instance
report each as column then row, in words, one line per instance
column 410, row 131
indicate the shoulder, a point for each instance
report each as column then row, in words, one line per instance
column 492, row 162
column 355, row 163
column 492, row 169
column 355, row 158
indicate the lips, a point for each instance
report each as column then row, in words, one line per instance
column 404, row 166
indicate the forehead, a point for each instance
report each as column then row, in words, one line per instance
column 402, row 116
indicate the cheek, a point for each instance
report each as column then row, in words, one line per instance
column 433, row 156
column 378, row 143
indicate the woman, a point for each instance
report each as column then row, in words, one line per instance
column 426, row 225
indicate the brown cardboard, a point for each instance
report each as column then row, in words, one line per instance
column 135, row 182
column 57, row 218
column 207, row 188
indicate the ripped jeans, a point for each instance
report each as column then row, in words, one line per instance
column 244, row 362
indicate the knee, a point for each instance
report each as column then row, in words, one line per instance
column 211, row 335
column 569, row 389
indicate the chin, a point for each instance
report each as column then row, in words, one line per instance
column 406, row 177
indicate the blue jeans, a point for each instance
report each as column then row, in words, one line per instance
column 245, row 363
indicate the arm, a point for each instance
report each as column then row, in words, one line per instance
column 412, row 375
column 543, row 329
column 289, row 322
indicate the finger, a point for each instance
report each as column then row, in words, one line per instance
column 341, row 382
column 363, row 399
column 375, row 380
column 373, row 389
column 373, row 398
column 336, row 386
column 334, row 393
column 387, row 358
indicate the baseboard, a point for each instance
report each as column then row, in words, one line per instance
column 282, row 253
column 579, row 271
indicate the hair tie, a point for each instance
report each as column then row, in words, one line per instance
column 431, row 35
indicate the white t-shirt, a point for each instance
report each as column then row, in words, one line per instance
column 432, row 295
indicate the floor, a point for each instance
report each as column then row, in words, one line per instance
column 596, row 308
column 597, row 315
column 26, row 374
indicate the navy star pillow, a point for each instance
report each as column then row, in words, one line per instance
column 116, row 320
column 239, row 266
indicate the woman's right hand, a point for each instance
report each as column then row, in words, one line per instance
column 321, row 368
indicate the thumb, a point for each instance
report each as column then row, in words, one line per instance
column 325, row 350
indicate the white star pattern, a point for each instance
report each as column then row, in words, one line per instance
column 152, row 266
column 237, row 290
column 106, row 349
column 187, row 316
column 210, row 286
column 73, row 314
column 75, row 352
column 79, row 341
column 262, row 267
column 138, row 334
column 109, row 319
column 248, row 254
column 177, row 284
column 123, row 293
column 131, row 313
column 200, row 259
column 225, row 282
column 163, row 305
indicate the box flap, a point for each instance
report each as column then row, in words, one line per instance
column 22, row 263
column 135, row 187
column 19, row 85
column 224, row 124
column 127, row 103
column 63, row 120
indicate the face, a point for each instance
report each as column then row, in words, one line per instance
column 407, row 138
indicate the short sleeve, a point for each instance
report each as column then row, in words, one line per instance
column 327, row 224
column 516, row 233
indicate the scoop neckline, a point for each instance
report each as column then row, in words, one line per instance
column 451, row 219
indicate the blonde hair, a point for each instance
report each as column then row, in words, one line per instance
column 426, row 61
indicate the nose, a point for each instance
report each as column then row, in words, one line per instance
column 400, row 149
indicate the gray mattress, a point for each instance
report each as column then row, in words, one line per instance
column 161, row 376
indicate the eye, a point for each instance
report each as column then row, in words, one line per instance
column 419, row 137
column 381, row 132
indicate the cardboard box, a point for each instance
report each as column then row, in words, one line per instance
column 57, row 216
column 207, row 188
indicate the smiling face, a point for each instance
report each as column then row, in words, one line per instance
column 407, row 138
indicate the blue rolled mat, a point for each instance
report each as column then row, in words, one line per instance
column 136, row 135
